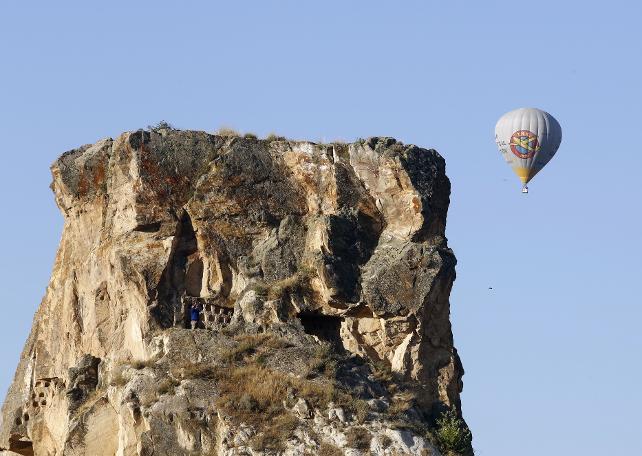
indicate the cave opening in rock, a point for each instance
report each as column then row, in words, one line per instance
column 325, row 327
column 183, row 276
column 18, row 444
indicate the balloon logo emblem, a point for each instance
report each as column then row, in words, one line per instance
column 524, row 144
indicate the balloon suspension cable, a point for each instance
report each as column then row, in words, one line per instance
column 525, row 189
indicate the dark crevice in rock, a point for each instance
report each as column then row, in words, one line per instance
column 76, row 306
column 427, row 172
column 139, row 139
column 83, row 380
column 352, row 239
column 360, row 311
column 182, row 276
column 148, row 227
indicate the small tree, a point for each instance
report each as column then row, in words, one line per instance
column 453, row 436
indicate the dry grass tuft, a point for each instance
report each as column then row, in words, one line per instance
column 274, row 436
column 361, row 410
column 118, row 379
column 382, row 372
column 322, row 363
column 275, row 137
column 296, row 284
column 227, row 132
column 328, row 449
column 277, row 343
column 385, row 441
column 167, row 386
column 139, row 364
column 147, row 401
column 401, row 403
column 358, row 408
column 196, row 371
column 247, row 346
column 255, row 395
column 359, row 438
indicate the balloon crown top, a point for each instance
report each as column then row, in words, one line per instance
column 527, row 108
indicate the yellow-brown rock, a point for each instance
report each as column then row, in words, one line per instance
column 292, row 245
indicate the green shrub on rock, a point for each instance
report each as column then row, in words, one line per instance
column 453, row 436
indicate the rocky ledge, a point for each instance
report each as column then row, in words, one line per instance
column 323, row 277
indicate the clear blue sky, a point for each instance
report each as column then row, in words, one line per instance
column 552, row 353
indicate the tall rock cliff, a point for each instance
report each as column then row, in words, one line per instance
column 321, row 275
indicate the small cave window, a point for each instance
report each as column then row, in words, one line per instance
column 325, row 327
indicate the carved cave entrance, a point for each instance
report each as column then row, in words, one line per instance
column 325, row 327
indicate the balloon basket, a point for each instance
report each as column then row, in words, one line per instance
column 525, row 189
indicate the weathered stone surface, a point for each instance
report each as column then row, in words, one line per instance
column 339, row 244
column 83, row 380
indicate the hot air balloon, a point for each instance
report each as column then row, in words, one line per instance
column 527, row 138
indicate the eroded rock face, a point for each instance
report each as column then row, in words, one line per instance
column 341, row 244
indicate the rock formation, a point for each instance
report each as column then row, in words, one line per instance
column 323, row 275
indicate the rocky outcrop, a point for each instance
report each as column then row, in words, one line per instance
column 323, row 276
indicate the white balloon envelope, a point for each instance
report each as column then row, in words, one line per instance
column 527, row 138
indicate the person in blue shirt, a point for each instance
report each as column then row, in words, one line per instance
column 195, row 310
